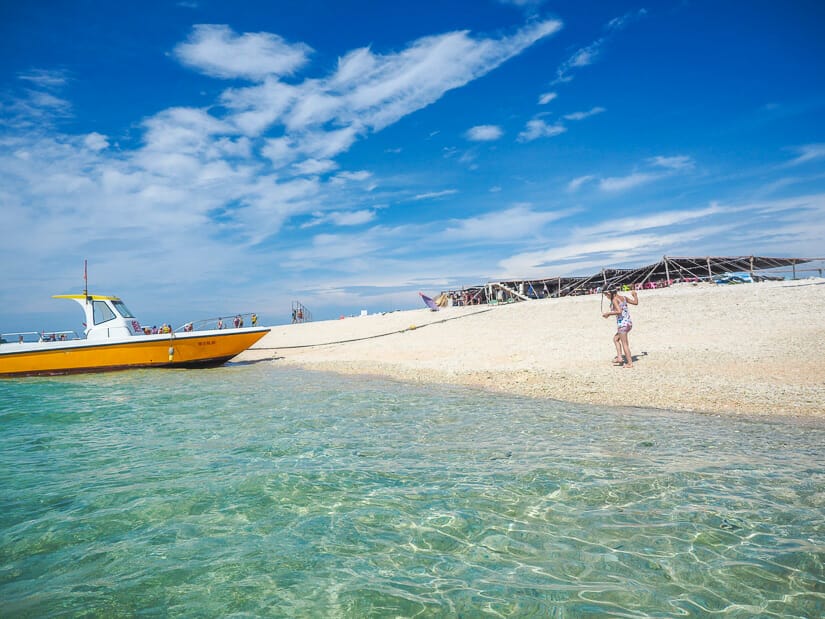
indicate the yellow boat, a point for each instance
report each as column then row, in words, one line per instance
column 114, row 340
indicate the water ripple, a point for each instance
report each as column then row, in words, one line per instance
column 255, row 491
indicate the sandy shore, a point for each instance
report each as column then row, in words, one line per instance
column 750, row 348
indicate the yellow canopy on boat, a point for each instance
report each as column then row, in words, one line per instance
column 93, row 297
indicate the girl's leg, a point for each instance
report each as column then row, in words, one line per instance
column 626, row 346
column 618, row 358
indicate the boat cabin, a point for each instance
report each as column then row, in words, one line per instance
column 106, row 317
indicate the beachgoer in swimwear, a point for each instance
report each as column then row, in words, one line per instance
column 618, row 308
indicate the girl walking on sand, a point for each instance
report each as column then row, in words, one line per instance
column 618, row 308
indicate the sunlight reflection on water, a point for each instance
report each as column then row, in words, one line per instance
column 253, row 489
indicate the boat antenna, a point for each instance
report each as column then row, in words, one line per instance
column 86, row 280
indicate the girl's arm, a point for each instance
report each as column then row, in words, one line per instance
column 634, row 300
column 616, row 305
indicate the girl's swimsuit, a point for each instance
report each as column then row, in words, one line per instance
column 623, row 322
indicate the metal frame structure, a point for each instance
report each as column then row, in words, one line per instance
column 667, row 271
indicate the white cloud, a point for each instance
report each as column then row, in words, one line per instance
column 358, row 176
column 315, row 166
column 589, row 54
column 45, row 79
column 664, row 219
column 366, row 92
column 385, row 88
column 590, row 253
column 794, row 223
column 513, row 224
column 219, row 52
column 631, row 181
column 619, row 23
column 547, row 98
column 36, row 109
column 581, row 58
column 342, row 218
column 658, row 168
column 254, row 108
column 96, row 141
column 679, row 162
column 537, row 128
column 577, row 183
column 523, row 3
column 585, row 56
column 582, row 115
column 435, row 194
column 484, row 133
column 808, row 152
column 183, row 130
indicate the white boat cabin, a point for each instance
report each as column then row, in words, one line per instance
column 106, row 317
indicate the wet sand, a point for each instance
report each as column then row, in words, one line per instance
column 749, row 348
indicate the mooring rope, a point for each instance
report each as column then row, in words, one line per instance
column 372, row 337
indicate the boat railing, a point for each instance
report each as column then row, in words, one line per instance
column 232, row 321
column 26, row 337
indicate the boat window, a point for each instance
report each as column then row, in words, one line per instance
column 122, row 309
column 102, row 312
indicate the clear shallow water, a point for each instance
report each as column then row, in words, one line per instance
column 252, row 490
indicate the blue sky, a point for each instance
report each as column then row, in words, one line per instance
column 210, row 157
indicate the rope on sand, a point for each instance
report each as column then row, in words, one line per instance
column 372, row 337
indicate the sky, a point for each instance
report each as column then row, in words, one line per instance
column 209, row 158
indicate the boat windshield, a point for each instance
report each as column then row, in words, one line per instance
column 102, row 312
column 122, row 309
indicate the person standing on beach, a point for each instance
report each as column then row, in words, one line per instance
column 618, row 308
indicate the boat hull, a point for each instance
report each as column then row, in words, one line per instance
column 197, row 349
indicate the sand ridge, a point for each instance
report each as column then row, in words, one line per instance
column 749, row 348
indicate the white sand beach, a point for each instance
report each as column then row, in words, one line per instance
column 749, row 348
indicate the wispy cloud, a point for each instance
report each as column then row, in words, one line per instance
column 366, row 92
column 223, row 179
column 39, row 105
column 582, row 115
column 315, row 166
column 631, row 181
column 678, row 162
column 45, row 79
column 653, row 169
column 341, row 218
column 517, row 222
column 589, row 54
column 577, row 183
column 655, row 221
column 547, row 98
column 618, row 23
column 806, row 153
column 435, row 194
column 484, row 133
column 638, row 238
column 522, row 3
column 537, row 128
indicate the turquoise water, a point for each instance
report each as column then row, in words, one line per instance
column 251, row 490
